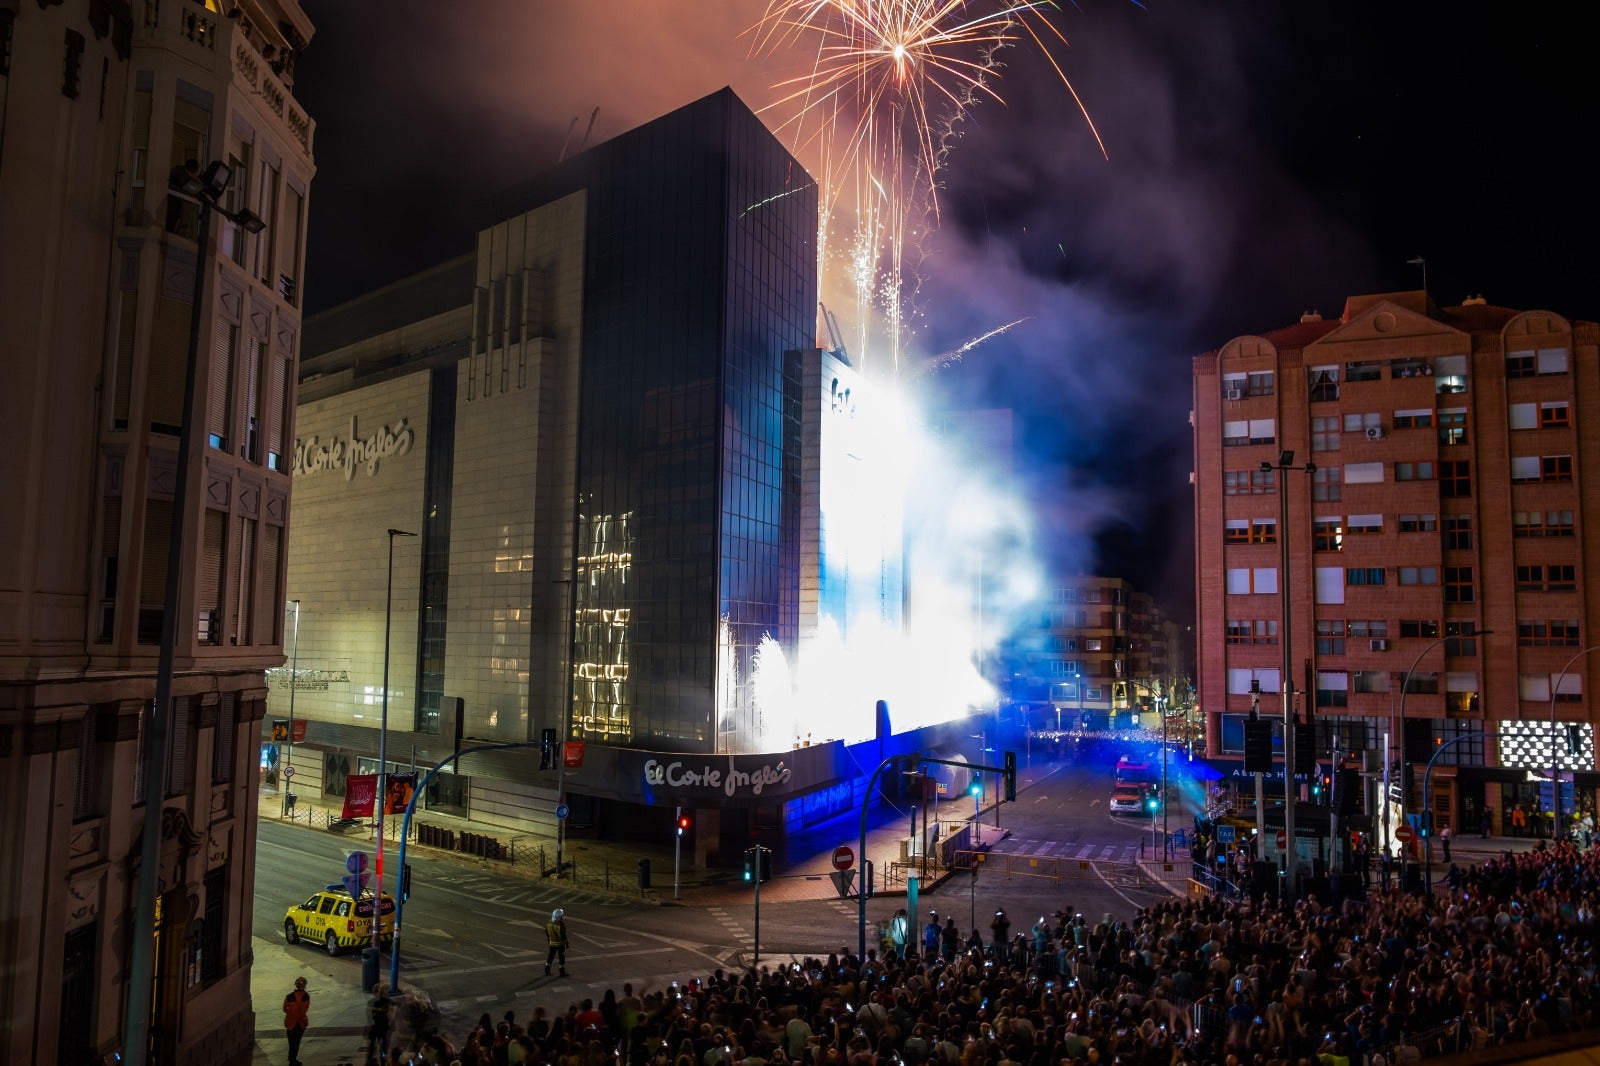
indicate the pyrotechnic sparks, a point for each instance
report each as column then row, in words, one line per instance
column 888, row 76
column 950, row 358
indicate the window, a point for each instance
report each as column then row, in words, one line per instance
column 1561, row 578
column 1363, row 371
column 1419, row 628
column 1372, row 681
column 1330, row 636
column 1418, row 523
column 1252, row 631
column 1419, row 575
column 1325, row 433
column 1555, row 468
column 1522, row 416
column 1458, row 584
column 1551, row 360
column 1524, row 469
column 1093, row 644
column 1244, row 581
column 1450, row 374
column 1519, row 364
column 1236, row 531
column 1365, row 524
column 222, row 739
column 1367, row 628
column 1327, row 535
column 1333, row 688
column 1240, row 678
column 1233, row 386
column 1324, row 383
column 1457, row 532
column 95, row 742
column 1363, row 474
column 1261, row 383
column 1413, row 419
column 1554, row 414
column 1330, row 584
column 1542, row 524
column 1410, row 368
column 1551, row 632
column 1235, row 433
column 1455, row 480
column 1452, row 426
column 1363, row 575
column 1413, row 471
column 1360, row 422
column 1462, row 638
column 1327, row 484
column 1249, row 482
column 1264, row 531
column 1263, row 430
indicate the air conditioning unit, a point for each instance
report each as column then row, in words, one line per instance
column 1378, row 645
column 1374, row 432
column 1233, row 394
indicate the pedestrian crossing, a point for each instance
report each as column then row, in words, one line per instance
column 492, row 887
column 1068, row 849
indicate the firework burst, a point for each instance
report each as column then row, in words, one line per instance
column 890, row 82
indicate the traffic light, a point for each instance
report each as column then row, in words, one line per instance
column 405, row 881
column 749, row 865
column 1011, row 777
column 977, row 783
column 867, row 887
column 683, row 823
column 1349, row 792
column 547, row 749
column 1318, row 782
column 1152, row 799
column 1305, row 748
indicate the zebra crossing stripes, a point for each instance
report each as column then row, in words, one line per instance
column 1069, row 849
column 735, row 929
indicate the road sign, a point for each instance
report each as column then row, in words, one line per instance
column 843, row 881
column 562, row 810
column 844, row 857
column 356, row 862
column 288, row 771
column 1403, row 833
column 1281, row 838
column 1224, row 834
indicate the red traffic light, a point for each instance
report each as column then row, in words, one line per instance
column 683, row 822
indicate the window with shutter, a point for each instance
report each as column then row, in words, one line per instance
column 267, row 598
column 178, row 735
column 277, row 412
column 153, row 568
column 244, row 582
column 213, row 550
column 219, row 391
column 251, row 451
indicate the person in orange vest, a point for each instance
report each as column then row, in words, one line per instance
column 1519, row 820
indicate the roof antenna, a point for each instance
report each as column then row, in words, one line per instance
column 592, row 116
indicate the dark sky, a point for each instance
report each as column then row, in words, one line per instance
column 1266, row 159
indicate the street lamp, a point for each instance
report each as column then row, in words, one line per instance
column 1405, row 685
column 207, row 191
column 1285, row 463
column 382, row 798
column 1555, row 758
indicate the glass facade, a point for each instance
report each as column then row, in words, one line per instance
column 699, row 291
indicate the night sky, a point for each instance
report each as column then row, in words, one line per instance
column 1266, row 159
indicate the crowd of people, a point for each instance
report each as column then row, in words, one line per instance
column 1504, row 955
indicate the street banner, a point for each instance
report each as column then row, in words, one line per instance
column 572, row 754
column 398, row 791
column 359, row 792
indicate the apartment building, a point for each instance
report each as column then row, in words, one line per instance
column 1391, row 528
column 113, row 309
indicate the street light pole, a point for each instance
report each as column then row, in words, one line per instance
column 1284, row 464
column 1555, row 757
column 141, row 956
column 381, row 800
column 294, row 683
column 1405, row 685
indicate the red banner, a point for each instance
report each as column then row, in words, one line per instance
column 359, row 792
column 398, row 791
column 572, row 755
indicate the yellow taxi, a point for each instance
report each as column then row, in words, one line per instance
column 337, row 920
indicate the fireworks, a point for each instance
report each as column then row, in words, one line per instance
column 890, row 82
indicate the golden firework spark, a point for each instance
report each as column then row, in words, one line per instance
column 888, row 75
